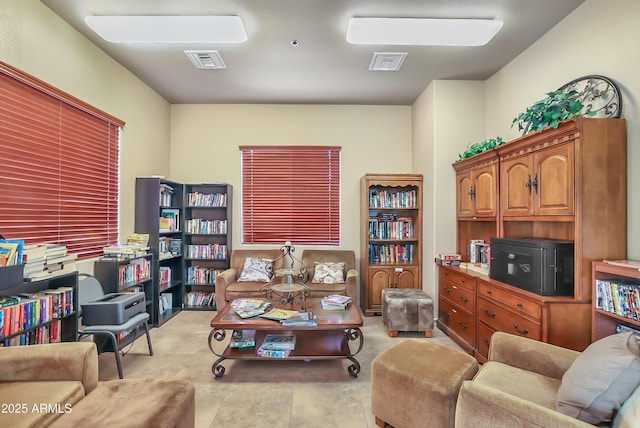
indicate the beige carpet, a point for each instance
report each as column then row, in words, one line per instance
column 274, row 394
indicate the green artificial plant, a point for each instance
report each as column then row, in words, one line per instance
column 550, row 111
column 483, row 146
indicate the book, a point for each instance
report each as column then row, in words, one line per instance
column 337, row 299
column 279, row 342
column 273, row 353
column 8, row 253
column 279, row 314
column 247, row 308
column 633, row 264
column 241, row 339
column 302, row 319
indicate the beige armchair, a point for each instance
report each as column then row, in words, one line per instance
column 351, row 276
column 518, row 386
column 227, row 285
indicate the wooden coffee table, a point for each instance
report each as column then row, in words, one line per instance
column 330, row 339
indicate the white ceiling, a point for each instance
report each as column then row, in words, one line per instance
column 323, row 68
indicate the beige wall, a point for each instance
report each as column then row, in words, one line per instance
column 35, row 40
column 447, row 117
column 597, row 38
column 205, row 141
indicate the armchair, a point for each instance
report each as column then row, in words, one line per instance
column 351, row 276
column 519, row 384
column 227, row 286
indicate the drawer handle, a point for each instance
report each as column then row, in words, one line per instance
column 464, row 326
column 445, row 314
column 486, row 311
column 463, row 300
column 525, row 331
column 489, row 292
column 486, row 341
column 462, row 281
column 447, row 290
column 454, row 311
column 519, row 305
column 455, row 287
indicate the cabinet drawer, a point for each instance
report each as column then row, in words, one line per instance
column 458, row 320
column 504, row 320
column 458, row 295
column 484, row 336
column 514, row 303
column 458, row 279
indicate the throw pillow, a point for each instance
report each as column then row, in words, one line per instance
column 255, row 270
column 600, row 379
column 328, row 273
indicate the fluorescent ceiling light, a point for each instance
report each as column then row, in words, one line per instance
column 419, row 31
column 168, row 29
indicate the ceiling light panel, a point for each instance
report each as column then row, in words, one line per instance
column 168, row 29
column 422, row 31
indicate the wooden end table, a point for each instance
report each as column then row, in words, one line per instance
column 330, row 339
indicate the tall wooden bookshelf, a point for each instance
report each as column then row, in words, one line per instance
column 390, row 236
column 155, row 198
column 207, row 241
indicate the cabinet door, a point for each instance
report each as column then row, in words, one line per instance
column 379, row 278
column 464, row 199
column 554, row 171
column 406, row 277
column 485, row 191
column 516, row 195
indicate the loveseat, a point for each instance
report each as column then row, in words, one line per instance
column 228, row 286
column 523, row 379
column 57, row 385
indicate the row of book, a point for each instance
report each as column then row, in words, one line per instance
column 164, row 277
column 206, row 227
column 11, row 252
column 400, row 228
column 165, row 302
column 197, row 199
column 202, row 275
column 169, row 220
column 391, row 253
column 199, row 298
column 135, row 271
column 49, row 333
column 479, row 251
column 166, row 195
column 208, row 251
column 619, row 297
column 380, row 198
column 29, row 310
column 169, row 246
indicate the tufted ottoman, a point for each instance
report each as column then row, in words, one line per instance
column 415, row 383
column 142, row 403
column 407, row 309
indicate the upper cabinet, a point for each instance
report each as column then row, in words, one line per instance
column 477, row 187
column 539, row 183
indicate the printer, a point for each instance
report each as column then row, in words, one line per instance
column 113, row 308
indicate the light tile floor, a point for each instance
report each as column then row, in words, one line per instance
column 274, row 394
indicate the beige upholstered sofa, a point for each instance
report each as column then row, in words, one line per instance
column 520, row 383
column 229, row 288
column 57, row 385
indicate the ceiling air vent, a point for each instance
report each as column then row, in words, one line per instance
column 387, row 61
column 206, row 60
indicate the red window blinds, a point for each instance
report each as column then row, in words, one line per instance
column 58, row 168
column 290, row 193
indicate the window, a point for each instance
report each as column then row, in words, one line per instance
column 290, row 193
column 58, row 168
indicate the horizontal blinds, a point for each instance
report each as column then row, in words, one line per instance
column 290, row 193
column 59, row 168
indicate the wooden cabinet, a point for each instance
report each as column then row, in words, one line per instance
column 541, row 183
column 153, row 197
column 609, row 318
column 207, row 241
column 477, row 188
column 567, row 183
column 390, row 236
column 457, row 307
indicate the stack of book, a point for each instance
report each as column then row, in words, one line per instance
column 34, row 257
column 335, row 302
column 241, row 339
column 302, row 319
column 277, row 346
column 58, row 261
column 449, row 259
column 247, row 308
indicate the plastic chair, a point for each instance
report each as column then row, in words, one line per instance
column 90, row 289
